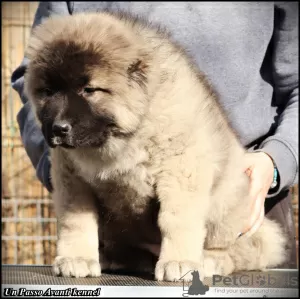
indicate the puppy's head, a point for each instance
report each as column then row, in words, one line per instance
column 87, row 79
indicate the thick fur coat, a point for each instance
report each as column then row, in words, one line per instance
column 147, row 172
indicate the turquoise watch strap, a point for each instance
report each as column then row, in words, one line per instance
column 275, row 177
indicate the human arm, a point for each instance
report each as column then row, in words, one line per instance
column 32, row 137
column 281, row 149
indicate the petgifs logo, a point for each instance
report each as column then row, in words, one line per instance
column 283, row 280
column 243, row 283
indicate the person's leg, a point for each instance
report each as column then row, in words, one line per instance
column 279, row 208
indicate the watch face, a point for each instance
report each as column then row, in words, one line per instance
column 274, row 184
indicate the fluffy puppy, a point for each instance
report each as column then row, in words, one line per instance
column 143, row 158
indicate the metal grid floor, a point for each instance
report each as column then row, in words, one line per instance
column 39, row 280
column 42, row 275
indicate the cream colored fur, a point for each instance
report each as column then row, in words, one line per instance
column 183, row 151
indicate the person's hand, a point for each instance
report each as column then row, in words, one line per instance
column 260, row 168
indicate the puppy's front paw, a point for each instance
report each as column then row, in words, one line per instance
column 176, row 270
column 215, row 264
column 76, row 267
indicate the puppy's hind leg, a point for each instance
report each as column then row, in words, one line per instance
column 225, row 224
column 263, row 250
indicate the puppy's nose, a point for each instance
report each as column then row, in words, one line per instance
column 61, row 128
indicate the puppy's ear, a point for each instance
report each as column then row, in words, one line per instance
column 137, row 73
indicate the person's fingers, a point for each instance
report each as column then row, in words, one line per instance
column 256, row 195
column 255, row 191
column 256, row 185
column 255, row 213
column 257, row 224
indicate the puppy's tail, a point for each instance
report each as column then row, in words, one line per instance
column 267, row 248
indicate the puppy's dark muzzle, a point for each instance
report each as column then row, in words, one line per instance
column 61, row 129
column 57, row 133
column 85, row 132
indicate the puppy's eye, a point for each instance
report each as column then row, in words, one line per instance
column 46, row 92
column 91, row 90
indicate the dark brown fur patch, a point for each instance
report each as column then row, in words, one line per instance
column 137, row 73
column 66, row 65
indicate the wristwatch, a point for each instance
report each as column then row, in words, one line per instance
column 275, row 174
column 275, row 177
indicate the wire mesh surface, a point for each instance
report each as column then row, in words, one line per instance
column 42, row 275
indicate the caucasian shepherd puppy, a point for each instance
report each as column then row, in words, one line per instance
column 146, row 171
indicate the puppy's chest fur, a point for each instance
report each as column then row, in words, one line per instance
column 125, row 195
column 124, row 187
